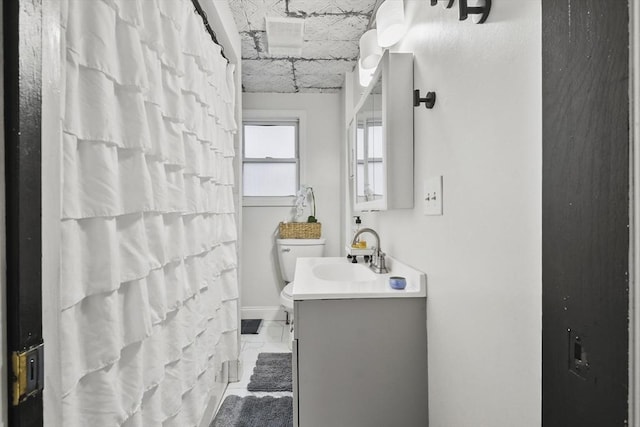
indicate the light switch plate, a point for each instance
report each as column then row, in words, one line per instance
column 433, row 196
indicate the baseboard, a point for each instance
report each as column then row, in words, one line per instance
column 263, row 312
column 234, row 370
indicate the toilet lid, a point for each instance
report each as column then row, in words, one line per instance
column 288, row 290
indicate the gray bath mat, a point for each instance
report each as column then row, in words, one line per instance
column 272, row 373
column 253, row 411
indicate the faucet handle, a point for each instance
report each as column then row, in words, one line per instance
column 382, row 265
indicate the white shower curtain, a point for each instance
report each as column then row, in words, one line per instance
column 148, row 276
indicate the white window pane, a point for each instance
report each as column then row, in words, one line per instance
column 360, row 143
column 375, row 141
column 275, row 141
column 269, row 179
column 360, row 180
column 376, row 178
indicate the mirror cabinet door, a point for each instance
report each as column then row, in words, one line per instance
column 359, row 158
column 374, row 190
column 361, row 153
column 383, row 169
column 369, row 148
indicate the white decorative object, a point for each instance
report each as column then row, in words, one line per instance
column 305, row 199
column 390, row 22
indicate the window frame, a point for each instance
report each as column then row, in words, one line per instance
column 276, row 117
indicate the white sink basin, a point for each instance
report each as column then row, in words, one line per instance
column 338, row 278
column 343, row 272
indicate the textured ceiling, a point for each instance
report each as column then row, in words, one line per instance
column 331, row 34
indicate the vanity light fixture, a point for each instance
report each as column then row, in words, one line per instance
column 390, row 23
column 429, row 100
column 370, row 51
column 481, row 9
column 365, row 75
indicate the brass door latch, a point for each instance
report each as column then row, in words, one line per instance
column 28, row 373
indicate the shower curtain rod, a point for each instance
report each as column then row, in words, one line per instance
column 212, row 33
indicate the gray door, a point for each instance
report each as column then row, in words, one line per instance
column 585, row 212
column 22, row 49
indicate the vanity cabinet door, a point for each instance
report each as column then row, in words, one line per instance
column 361, row 362
column 294, row 379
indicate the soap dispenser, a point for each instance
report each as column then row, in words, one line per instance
column 358, row 243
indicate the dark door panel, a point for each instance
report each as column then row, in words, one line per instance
column 585, row 212
column 22, row 44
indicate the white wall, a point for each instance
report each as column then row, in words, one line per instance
column 483, row 256
column 261, row 283
column 221, row 20
column 52, row 38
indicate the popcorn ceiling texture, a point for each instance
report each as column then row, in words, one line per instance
column 332, row 31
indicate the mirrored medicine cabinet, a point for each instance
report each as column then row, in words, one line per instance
column 381, row 138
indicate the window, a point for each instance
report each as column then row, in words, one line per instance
column 271, row 166
column 369, row 164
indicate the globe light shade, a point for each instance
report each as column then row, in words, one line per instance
column 370, row 51
column 390, row 23
column 365, row 75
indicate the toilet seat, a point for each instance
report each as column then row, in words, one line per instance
column 286, row 297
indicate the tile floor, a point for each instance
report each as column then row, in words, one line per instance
column 273, row 338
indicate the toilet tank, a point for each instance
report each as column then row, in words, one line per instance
column 289, row 250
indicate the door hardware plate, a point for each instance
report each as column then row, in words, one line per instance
column 28, row 373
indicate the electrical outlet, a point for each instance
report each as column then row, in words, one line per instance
column 433, row 196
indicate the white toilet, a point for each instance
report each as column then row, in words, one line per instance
column 289, row 250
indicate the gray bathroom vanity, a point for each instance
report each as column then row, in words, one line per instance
column 360, row 347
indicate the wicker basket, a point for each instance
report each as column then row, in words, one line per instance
column 300, row 230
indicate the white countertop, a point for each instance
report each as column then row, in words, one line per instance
column 308, row 286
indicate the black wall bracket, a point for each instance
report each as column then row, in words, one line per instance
column 449, row 4
column 483, row 8
column 429, row 100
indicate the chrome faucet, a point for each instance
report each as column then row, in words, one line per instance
column 376, row 263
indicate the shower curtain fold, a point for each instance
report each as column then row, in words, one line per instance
column 149, row 284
